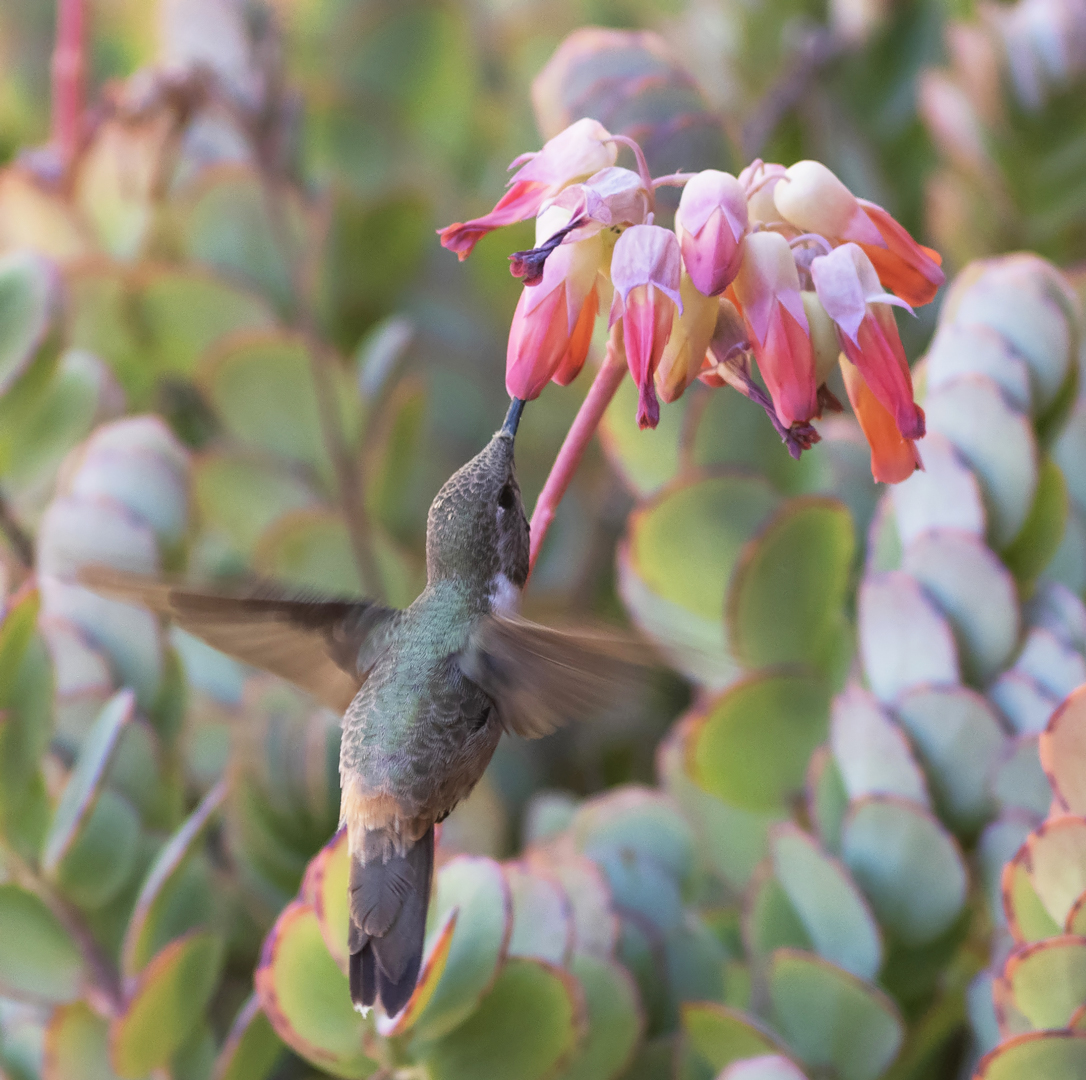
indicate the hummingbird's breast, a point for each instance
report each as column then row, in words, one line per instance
column 419, row 731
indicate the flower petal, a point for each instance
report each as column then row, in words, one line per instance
column 519, row 203
column 910, row 269
column 893, row 458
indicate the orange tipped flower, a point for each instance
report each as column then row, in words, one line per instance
column 645, row 271
column 893, row 457
column 552, row 325
column 767, row 288
column 848, row 288
column 710, row 223
column 910, row 269
column 811, row 198
column 574, row 154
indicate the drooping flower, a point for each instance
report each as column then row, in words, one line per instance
column 893, row 457
column 710, row 223
column 684, row 356
column 552, row 325
column 574, row 154
column 612, row 197
column 759, row 180
column 910, row 269
column 850, row 292
column 646, row 269
column 814, row 200
column 768, row 290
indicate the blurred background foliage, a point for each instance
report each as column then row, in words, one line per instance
column 231, row 345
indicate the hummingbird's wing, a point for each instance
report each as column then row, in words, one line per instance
column 540, row 678
column 326, row 647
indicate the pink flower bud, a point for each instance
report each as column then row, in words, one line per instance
column 710, row 222
column 767, row 288
column 814, row 200
column 760, row 180
column 573, row 154
column 613, row 196
column 849, row 290
column 552, row 324
column 645, row 271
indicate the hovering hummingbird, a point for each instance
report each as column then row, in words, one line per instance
column 426, row 692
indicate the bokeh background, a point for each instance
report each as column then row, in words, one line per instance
column 245, row 246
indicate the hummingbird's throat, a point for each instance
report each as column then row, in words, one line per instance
column 504, row 595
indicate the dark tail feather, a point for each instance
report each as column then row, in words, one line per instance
column 388, row 902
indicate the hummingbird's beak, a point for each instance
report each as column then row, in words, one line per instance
column 512, row 418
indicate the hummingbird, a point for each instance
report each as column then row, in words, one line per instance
column 426, row 692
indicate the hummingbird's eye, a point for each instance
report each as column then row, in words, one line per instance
column 506, row 497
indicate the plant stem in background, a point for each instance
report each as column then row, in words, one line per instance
column 584, row 426
column 68, row 79
column 21, row 544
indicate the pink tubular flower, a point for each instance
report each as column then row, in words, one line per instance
column 645, row 270
column 552, row 325
column 710, row 222
column 578, row 152
column 849, row 289
column 767, row 288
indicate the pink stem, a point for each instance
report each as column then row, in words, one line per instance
column 603, row 389
column 68, row 75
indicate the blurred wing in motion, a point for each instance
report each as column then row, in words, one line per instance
column 326, row 647
column 541, row 678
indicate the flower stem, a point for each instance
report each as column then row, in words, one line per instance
column 68, row 75
column 584, row 426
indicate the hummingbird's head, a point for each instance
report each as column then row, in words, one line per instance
column 476, row 530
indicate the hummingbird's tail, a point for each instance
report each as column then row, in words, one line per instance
column 388, row 903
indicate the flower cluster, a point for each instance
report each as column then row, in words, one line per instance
column 784, row 268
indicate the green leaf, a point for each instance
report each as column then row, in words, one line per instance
column 1055, row 1055
column 477, row 887
column 871, row 752
column 636, row 818
column 262, row 387
column 1046, row 980
column 645, row 460
column 832, row 1019
column 766, row 1067
column 682, row 547
column 996, row 442
column 784, row 602
column 615, row 1019
column 1027, row 917
column 80, row 795
column 833, row 911
column 28, row 287
column 975, row 592
column 77, row 1045
column 152, row 909
column 542, row 916
column 959, row 739
column 1036, row 545
column 1018, row 780
column 1056, row 856
column 1062, row 752
column 595, row 924
column 306, row 996
column 527, row 1025
column 232, row 225
column 37, row 957
column 752, row 743
column 908, row 866
column 1023, row 701
column 827, row 799
column 252, row 1048
column 944, row 494
column 732, row 840
column 769, row 920
column 722, row 1035
column 904, row 640
column 102, row 857
column 1068, row 452
column 394, row 456
column 1054, row 664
